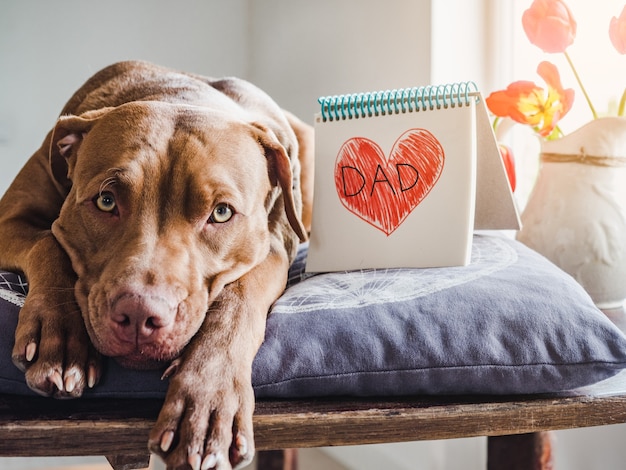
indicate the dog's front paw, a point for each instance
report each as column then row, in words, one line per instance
column 205, row 425
column 53, row 349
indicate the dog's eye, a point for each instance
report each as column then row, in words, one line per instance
column 222, row 213
column 105, row 202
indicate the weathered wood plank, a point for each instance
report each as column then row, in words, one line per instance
column 32, row 427
column 317, row 424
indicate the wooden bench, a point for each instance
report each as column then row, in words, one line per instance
column 516, row 426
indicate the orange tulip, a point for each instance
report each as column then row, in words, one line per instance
column 528, row 103
column 617, row 32
column 549, row 25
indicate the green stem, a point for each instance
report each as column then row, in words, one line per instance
column 558, row 129
column 497, row 120
column 556, row 133
column 580, row 84
column 622, row 104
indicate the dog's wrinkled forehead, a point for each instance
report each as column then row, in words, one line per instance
column 178, row 141
column 151, row 126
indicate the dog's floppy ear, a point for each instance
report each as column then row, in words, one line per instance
column 66, row 137
column 281, row 174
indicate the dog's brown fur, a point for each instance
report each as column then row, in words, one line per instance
column 158, row 220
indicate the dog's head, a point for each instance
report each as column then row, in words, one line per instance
column 167, row 204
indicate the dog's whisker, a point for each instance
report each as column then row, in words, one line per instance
column 110, row 180
column 52, row 142
column 59, row 289
column 69, row 303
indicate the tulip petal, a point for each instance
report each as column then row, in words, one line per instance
column 617, row 32
column 549, row 25
column 527, row 103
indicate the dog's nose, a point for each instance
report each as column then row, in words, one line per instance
column 138, row 316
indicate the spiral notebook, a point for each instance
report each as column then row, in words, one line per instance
column 403, row 177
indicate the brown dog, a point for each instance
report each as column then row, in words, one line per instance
column 158, row 219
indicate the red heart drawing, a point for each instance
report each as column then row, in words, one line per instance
column 383, row 191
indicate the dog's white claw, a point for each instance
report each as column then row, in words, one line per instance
column 242, row 445
column 70, row 383
column 92, row 375
column 166, row 440
column 57, row 380
column 31, row 350
column 171, row 370
column 194, row 461
column 209, row 462
column 239, row 453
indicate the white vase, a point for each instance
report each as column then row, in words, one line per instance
column 576, row 212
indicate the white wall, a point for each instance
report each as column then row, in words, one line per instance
column 302, row 49
column 49, row 48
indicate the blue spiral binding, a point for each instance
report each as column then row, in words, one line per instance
column 396, row 101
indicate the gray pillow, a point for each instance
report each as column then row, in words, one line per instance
column 509, row 323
